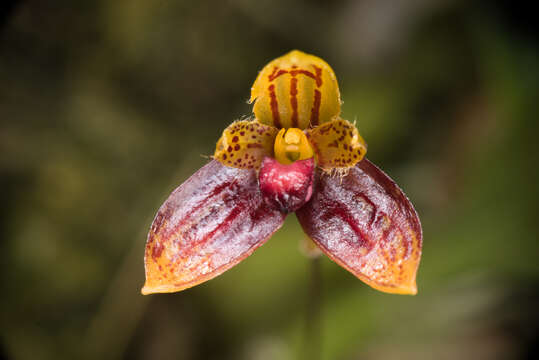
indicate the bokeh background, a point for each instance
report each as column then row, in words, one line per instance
column 107, row 106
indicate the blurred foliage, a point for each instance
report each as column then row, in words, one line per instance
column 106, row 106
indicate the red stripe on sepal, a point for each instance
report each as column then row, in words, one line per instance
column 207, row 225
column 365, row 223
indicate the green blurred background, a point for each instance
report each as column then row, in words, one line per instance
column 107, row 106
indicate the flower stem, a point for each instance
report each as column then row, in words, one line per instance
column 313, row 328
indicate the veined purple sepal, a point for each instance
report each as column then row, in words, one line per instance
column 365, row 223
column 207, row 225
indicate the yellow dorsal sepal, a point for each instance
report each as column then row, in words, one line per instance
column 296, row 90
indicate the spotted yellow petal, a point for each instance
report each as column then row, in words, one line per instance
column 244, row 144
column 296, row 90
column 337, row 144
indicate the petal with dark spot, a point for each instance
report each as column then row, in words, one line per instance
column 366, row 224
column 244, row 144
column 207, row 225
column 337, row 144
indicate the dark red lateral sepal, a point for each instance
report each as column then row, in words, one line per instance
column 207, row 225
column 365, row 223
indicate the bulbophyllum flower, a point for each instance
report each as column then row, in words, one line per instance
column 297, row 155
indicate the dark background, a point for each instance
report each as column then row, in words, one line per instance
column 106, row 106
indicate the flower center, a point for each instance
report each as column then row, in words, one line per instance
column 286, row 187
column 291, row 145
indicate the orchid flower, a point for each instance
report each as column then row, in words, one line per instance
column 296, row 155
